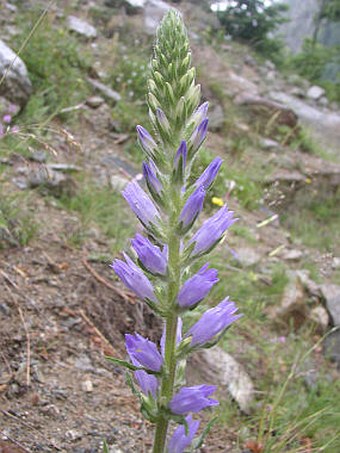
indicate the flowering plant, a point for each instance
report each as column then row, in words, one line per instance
column 164, row 254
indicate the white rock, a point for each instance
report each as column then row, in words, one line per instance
column 81, row 27
column 315, row 92
column 153, row 13
column 16, row 86
column 331, row 294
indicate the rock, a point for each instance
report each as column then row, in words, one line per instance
column 73, row 434
column 269, row 144
column 131, row 6
column 320, row 316
column 38, row 156
column 247, row 256
column 216, row 118
column 323, row 126
column 260, row 106
column 52, row 181
column 312, row 288
column 16, row 87
column 216, row 366
column 250, row 61
column 336, row 263
column 106, row 91
column 293, row 307
column 81, row 27
column 315, row 92
column 94, row 102
column 4, row 309
column 331, row 347
column 64, row 168
column 153, row 13
column 87, row 386
column 292, row 255
column 331, row 294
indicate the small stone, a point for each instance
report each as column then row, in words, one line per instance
column 247, row 256
column 293, row 307
column 269, row 144
column 320, row 316
column 87, row 386
column 84, row 363
column 315, row 92
column 73, row 434
column 336, row 263
column 94, row 102
column 331, row 294
column 81, row 27
column 38, row 156
column 331, row 347
column 292, row 255
column 4, row 309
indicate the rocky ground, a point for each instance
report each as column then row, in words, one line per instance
column 62, row 311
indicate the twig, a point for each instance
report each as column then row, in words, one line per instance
column 28, row 425
column 97, row 331
column 126, row 296
column 28, row 338
column 7, row 437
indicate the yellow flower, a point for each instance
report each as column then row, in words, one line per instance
column 217, row 201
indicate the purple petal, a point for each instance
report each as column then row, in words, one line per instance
column 212, row 230
column 192, row 207
column 180, row 440
column 153, row 258
column 134, row 278
column 146, row 141
column 141, row 204
column 151, row 178
column 209, row 174
column 213, row 322
column 198, row 136
column 144, row 351
column 197, row 287
column 181, row 152
column 192, row 399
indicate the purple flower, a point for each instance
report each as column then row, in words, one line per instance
column 152, row 257
column 146, row 141
column 147, row 382
column 180, row 440
column 178, row 335
column 181, row 153
column 192, row 399
column 192, row 208
column 201, row 113
column 134, row 278
column 212, row 231
column 197, row 287
column 198, row 136
column 213, row 322
column 149, row 172
column 141, row 204
column 144, row 351
column 7, row 119
column 209, row 174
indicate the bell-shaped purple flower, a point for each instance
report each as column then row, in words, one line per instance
column 212, row 322
column 197, row 287
column 133, row 277
column 178, row 335
column 198, row 136
column 192, row 399
column 180, row 440
column 209, row 174
column 146, row 141
column 141, row 204
column 163, row 120
column 192, row 208
column 144, row 351
column 212, row 231
column 201, row 113
column 149, row 173
column 147, row 382
column 181, row 154
column 152, row 257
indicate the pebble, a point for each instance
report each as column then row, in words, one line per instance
column 87, row 386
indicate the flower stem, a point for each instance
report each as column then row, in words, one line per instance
column 170, row 362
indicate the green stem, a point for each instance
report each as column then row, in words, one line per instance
column 168, row 379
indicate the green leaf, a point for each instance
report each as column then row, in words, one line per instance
column 199, row 441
